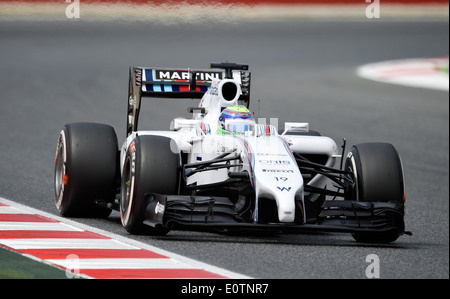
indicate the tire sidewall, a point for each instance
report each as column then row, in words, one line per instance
column 131, row 205
column 382, row 176
column 151, row 167
column 61, row 189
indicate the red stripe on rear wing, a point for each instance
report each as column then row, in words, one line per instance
column 176, row 83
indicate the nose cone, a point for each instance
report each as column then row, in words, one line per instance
column 286, row 203
column 281, row 181
column 286, row 209
column 276, row 174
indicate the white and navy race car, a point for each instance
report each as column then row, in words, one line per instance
column 221, row 170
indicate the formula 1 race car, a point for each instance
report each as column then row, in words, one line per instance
column 222, row 171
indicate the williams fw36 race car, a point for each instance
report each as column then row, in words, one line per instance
column 223, row 171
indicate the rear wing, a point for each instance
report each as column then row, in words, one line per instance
column 180, row 83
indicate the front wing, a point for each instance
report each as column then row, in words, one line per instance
column 220, row 214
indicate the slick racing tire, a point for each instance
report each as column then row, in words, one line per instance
column 85, row 169
column 150, row 166
column 378, row 175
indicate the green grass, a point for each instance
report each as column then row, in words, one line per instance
column 444, row 69
column 16, row 266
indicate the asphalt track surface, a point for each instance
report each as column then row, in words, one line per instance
column 54, row 73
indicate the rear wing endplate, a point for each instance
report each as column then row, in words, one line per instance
column 180, row 83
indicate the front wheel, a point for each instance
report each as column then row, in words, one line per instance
column 378, row 177
column 150, row 167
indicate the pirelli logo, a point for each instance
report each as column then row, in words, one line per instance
column 173, row 75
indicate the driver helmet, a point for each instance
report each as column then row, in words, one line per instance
column 236, row 120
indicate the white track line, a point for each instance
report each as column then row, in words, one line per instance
column 65, row 243
column 37, row 226
column 149, row 263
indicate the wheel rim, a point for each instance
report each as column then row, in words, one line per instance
column 60, row 173
column 351, row 167
column 126, row 193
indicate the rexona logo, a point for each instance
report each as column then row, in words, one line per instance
column 185, row 75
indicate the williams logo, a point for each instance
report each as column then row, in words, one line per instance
column 186, row 75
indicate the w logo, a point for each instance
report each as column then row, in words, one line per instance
column 284, row 189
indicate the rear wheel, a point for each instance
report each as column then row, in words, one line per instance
column 150, row 167
column 378, row 175
column 85, row 169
